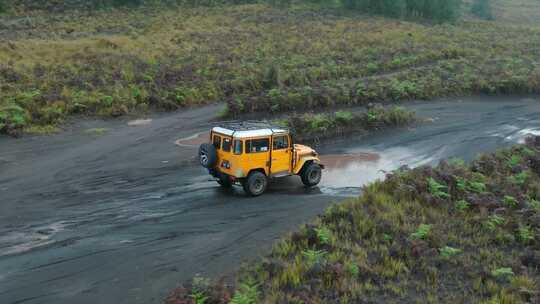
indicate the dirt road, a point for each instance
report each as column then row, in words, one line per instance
column 115, row 212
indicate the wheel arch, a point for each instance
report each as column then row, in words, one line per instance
column 257, row 170
column 304, row 162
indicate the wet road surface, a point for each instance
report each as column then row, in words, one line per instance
column 125, row 214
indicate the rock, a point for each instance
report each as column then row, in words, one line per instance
column 530, row 259
column 499, row 211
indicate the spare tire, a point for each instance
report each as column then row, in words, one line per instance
column 207, row 155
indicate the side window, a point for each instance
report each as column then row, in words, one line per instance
column 227, row 144
column 281, row 142
column 217, row 142
column 237, row 147
column 257, row 145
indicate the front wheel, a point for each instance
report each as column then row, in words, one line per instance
column 311, row 175
column 255, row 184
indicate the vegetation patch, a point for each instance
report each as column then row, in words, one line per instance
column 256, row 57
column 404, row 242
column 311, row 127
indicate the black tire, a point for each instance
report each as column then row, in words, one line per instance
column 255, row 184
column 207, row 155
column 311, row 175
column 224, row 182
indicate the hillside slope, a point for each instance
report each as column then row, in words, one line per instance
column 456, row 233
column 257, row 58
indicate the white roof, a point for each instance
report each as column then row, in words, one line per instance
column 248, row 133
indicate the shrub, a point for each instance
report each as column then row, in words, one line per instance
column 510, row 201
column 247, row 293
column 478, row 187
column 344, row 117
column 520, row 178
column 352, row 269
column 436, row 189
column 525, row 234
column 462, row 205
column 13, row 118
column 447, row 251
column 493, row 222
column 514, row 160
column 438, row 10
column 422, row 232
column 324, row 234
column 502, row 272
column 3, row 6
column 271, row 77
column 314, row 256
column 482, row 9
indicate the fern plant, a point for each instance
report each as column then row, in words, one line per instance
column 436, row 189
column 324, row 235
column 493, row 222
column 462, row 205
column 422, row 232
column 510, row 201
column 313, row 256
column 447, row 251
column 247, row 293
column 502, row 272
column 525, row 235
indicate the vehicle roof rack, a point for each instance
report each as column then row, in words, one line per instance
column 249, row 125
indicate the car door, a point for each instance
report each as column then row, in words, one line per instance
column 258, row 152
column 281, row 155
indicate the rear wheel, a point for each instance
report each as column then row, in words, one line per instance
column 311, row 175
column 224, row 182
column 255, row 184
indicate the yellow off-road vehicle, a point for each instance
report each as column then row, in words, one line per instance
column 251, row 153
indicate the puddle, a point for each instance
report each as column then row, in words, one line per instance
column 347, row 172
column 139, row 122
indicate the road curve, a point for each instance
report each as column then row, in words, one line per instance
column 123, row 214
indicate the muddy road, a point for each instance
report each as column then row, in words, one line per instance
column 116, row 212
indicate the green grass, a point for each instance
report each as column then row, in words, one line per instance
column 314, row 127
column 400, row 242
column 254, row 57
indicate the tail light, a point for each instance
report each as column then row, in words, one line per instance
column 226, row 164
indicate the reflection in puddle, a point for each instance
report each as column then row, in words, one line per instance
column 346, row 172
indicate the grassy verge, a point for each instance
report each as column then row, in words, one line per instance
column 452, row 234
column 312, row 127
column 255, row 57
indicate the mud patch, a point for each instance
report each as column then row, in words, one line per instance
column 336, row 161
column 22, row 241
column 194, row 140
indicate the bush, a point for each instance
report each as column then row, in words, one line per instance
column 3, row 6
column 12, row 118
column 482, row 9
column 438, row 10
